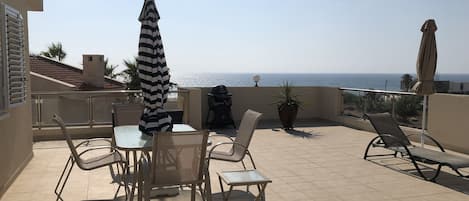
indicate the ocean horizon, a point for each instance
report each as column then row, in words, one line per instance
column 380, row 81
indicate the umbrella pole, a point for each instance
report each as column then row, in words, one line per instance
column 424, row 119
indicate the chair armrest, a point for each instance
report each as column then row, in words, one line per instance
column 87, row 141
column 224, row 136
column 98, row 148
column 432, row 139
column 398, row 142
column 220, row 144
column 223, row 143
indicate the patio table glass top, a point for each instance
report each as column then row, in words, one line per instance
column 130, row 138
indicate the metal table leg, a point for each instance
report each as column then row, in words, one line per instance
column 261, row 191
column 134, row 176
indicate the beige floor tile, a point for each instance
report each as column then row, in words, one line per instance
column 327, row 166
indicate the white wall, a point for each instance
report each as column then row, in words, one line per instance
column 15, row 129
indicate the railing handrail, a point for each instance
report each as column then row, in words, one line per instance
column 96, row 92
column 378, row 91
column 88, row 96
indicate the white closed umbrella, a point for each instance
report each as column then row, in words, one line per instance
column 426, row 68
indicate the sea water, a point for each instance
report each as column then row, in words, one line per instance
column 389, row 82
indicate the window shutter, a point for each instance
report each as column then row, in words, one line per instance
column 3, row 79
column 14, row 56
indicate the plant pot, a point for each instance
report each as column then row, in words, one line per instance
column 287, row 114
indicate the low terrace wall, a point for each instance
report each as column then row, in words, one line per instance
column 448, row 120
column 318, row 102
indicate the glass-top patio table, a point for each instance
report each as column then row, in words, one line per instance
column 130, row 139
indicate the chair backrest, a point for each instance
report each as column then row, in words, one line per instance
column 176, row 116
column 126, row 113
column 178, row 158
column 57, row 119
column 246, row 130
column 384, row 124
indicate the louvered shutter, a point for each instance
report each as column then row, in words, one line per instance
column 3, row 79
column 14, row 56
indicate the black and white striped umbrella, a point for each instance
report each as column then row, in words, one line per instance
column 153, row 72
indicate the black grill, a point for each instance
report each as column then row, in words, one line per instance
column 219, row 103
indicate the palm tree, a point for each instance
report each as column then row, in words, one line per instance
column 131, row 74
column 55, row 51
column 109, row 69
column 406, row 82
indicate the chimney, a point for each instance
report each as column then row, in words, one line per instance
column 93, row 70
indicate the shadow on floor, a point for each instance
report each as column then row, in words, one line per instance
column 302, row 134
column 276, row 126
column 236, row 195
column 445, row 179
column 298, row 124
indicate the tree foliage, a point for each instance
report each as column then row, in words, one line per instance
column 131, row 74
column 408, row 106
column 55, row 51
column 109, row 69
column 406, row 82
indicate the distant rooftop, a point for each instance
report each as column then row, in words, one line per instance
column 68, row 74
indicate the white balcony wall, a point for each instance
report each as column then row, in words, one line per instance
column 448, row 120
column 318, row 102
column 15, row 126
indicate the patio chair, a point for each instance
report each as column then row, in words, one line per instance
column 390, row 136
column 241, row 143
column 176, row 115
column 177, row 159
column 98, row 160
column 126, row 113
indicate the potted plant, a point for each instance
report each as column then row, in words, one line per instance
column 287, row 106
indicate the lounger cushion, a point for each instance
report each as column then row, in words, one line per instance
column 431, row 156
column 452, row 160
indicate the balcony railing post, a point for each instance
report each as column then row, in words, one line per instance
column 38, row 101
column 342, row 110
column 365, row 105
column 90, row 111
column 393, row 106
column 186, row 106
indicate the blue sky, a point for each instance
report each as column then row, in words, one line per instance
column 262, row 36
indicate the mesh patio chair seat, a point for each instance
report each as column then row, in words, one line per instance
column 241, row 143
column 176, row 159
column 390, row 136
column 113, row 157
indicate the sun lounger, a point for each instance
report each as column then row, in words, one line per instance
column 391, row 137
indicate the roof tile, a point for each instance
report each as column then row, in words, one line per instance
column 68, row 74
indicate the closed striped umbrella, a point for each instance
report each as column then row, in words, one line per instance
column 153, row 72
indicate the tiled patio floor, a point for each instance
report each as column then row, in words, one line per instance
column 317, row 162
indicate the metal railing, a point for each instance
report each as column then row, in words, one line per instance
column 89, row 108
column 405, row 107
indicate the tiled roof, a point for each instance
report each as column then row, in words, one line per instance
column 68, row 74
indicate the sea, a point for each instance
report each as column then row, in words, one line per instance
column 390, row 82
